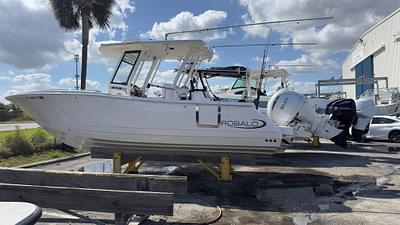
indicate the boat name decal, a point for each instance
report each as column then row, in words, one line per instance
column 252, row 124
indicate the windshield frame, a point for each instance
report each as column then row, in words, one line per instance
column 130, row 72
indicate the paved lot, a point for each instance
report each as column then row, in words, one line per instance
column 13, row 126
column 329, row 185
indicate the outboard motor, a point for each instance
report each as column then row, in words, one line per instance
column 365, row 112
column 352, row 114
column 291, row 109
column 343, row 111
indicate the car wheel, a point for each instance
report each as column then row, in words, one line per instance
column 394, row 136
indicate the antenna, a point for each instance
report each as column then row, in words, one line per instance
column 265, row 55
column 261, row 45
column 247, row 25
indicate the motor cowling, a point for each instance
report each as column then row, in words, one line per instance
column 289, row 108
column 352, row 115
column 344, row 112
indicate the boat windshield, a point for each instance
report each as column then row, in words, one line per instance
column 143, row 72
column 241, row 83
column 125, row 68
column 381, row 91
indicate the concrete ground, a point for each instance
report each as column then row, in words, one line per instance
column 303, row 186
column 13, row 126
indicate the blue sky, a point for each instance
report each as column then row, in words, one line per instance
column 36, row 54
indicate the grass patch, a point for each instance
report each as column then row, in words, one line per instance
column 28, row 146
column 28, row 133
column 37, row 157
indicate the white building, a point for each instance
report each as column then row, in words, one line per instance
column 375, row 54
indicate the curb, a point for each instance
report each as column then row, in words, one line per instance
column 30, row 165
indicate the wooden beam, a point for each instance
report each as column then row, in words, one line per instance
column 116, row 201
column 132, row 182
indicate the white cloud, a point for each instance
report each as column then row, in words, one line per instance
column 351, row 19
column 29, row 82
column 256, row 31
column 32, row 78
column 165, row 77
column 308, row 64
column 5, row 78
column 215, row 58
column 70, row 83
column 120, row 11
column 308, row 87
column 32, row 39
column 303, row 87
column 188, row 21
column 35, row 4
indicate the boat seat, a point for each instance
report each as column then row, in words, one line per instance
column 183, row 93
column 136, row 91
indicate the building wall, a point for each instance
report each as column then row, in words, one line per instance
column 383, row 42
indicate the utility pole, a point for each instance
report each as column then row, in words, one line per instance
column 76, row 57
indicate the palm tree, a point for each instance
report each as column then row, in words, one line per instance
column 73, row 14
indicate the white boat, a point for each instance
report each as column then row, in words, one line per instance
column 183, row 117
column 246, row 82
column 387, row 100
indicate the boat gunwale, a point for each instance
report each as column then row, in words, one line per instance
column 142, row 99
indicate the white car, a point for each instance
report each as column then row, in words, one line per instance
column 384, row 128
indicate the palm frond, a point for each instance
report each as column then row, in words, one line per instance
column 101, row 12
column 66, row 13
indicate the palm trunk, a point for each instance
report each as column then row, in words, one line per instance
column 85, row 42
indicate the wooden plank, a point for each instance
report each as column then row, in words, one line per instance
column 116, row 201
column 139, row 182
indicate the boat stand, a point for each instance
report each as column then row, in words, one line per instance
column 132, row 168
column 223, row 172
column 315, row 142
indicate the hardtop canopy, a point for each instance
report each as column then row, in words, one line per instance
column 170, row 49
column 240, row 71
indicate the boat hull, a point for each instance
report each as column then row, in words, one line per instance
column 94, row 120
column 388, row 110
